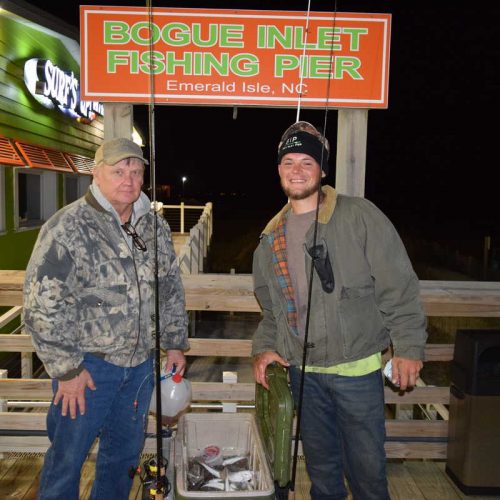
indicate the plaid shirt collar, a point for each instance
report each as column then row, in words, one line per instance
column 277, row 240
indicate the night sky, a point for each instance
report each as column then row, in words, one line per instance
column 431, row 158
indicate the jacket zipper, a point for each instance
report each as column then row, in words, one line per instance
column 132, row 252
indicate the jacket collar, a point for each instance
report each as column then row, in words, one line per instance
column 97, row 201
column 90, row 199
column 325, row 210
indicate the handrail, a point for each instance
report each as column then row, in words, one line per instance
column 237, row 348
column 234, row 292
column 191, row 247
column 406, row 439
column 41, row 389
column 182, row 207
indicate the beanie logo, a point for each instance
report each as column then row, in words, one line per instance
column 291, row 142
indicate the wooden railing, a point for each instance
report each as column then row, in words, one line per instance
column 209, row 292
column 191, row 236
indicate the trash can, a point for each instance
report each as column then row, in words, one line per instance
column 473, row 458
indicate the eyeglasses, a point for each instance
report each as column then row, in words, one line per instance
column 136, row 239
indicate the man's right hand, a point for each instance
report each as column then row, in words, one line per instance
column 72, row 393
column 260, row 362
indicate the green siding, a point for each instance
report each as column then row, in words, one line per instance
column 16, row 249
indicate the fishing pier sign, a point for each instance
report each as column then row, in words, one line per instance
column 229, row 57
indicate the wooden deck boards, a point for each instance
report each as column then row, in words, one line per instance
column 408, row 480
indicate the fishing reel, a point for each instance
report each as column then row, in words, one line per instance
column 154, row 487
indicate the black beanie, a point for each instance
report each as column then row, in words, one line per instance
column 304, row 142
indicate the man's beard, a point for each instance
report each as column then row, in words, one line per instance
column 301, row 195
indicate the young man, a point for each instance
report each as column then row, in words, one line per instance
column 89, row 306
column 364, row 297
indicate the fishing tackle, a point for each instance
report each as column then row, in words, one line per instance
column 327, row 282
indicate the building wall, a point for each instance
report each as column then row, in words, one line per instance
column 24, row 119
column 16, row 246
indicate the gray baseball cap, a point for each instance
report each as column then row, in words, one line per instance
column 112, row 151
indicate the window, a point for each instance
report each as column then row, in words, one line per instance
column 36, row 197
column 29, row 205
column 2, row 199
column 75, row 186
column 70, row 188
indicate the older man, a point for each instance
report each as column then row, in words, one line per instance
column 89, row 306
column 365, row 296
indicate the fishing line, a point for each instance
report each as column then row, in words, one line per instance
column 299, row 102
column 332, row 66
column 311, row 275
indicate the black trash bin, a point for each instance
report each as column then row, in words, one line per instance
column 474, row 426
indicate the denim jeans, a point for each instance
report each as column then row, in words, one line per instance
column 111, row 415
column 343, row 433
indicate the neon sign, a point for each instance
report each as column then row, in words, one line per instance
column 54, row 88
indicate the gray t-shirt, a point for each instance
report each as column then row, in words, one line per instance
column 297, row 226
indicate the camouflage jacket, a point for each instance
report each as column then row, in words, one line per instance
column 88, row 291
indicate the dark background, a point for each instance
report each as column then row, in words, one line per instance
column 431, row 157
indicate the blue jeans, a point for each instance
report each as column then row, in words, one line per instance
column 343, row 433
column 111, row 415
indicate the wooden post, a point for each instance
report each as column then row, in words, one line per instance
column 232, row 271
column 3, row 403
column 486, row 255
column 211, row 227
column 351, row 151
column 26, row 365
column 118, row 120
column 229, row 378
column 204, row 223
column 182, row 217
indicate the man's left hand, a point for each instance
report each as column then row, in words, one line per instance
column 177, row 358
column 405, row 371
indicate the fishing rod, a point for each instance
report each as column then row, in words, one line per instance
column 154, row 479
column 314, row 256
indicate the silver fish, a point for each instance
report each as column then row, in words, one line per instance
column 232, row 460
column 212, row 471
column 241, row 476
column 216, row 484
